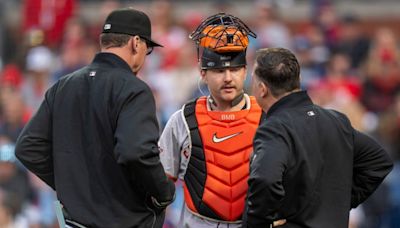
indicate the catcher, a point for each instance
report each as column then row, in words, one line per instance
column 207, row 143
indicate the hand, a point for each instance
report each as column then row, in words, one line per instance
column 168, row 197
column 159, row 206
column 279, row 222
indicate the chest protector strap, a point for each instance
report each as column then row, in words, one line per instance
column 216, row 176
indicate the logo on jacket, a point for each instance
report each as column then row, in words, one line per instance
column 215, row 138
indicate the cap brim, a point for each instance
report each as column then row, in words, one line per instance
column 154, row 44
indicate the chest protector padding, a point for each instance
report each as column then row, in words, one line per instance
column 217, row 173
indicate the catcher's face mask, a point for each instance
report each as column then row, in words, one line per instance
column 222, row 40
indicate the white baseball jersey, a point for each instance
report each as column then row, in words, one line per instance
column 175, row 147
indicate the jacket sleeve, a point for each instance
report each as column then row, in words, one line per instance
column 34, row 144
column 266, row 192
column 371, row 165
column 136, row 137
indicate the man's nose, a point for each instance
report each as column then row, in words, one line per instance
column 227, row 75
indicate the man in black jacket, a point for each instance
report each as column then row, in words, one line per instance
column 94, row 138
column 309, row 165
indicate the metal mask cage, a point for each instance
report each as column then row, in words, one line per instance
column 222, row 33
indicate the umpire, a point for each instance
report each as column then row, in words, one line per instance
column 309, row 166
column 94, row 137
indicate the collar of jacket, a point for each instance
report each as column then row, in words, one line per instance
column 112, row 60
column 293, row 100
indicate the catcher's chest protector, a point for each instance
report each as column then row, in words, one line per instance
column 217, row 173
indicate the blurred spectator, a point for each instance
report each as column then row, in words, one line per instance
column 49, row 16
column 382, row 71
column 171, row 36
column 12, row 177
column 104, row 8
column 164, row 66
column 352, row 41
column 376, row 208
column 10, row 207
column 271, row 31
column 76, row 49
column 389, row 134
column 8, row 43
column 309, row 69
column 175, row 86
column 190, row 21
column 328, row 21
column 11, row 76
column 223, row 6
column 43, row 204
column 318, row 49
column 39, row 63
column 388, row 130
column 340, row 90
column 312, row 53
column 14, row 114
column 393, row 180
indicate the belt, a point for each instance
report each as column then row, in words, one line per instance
column 64, row 220
column 276, row 223
column 69, row 222
column 72, row 224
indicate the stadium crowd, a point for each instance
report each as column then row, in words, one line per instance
column 343, row 67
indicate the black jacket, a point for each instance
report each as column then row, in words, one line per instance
column 310, row 167
column 94, row 141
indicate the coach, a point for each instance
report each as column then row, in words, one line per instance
column 309, row 165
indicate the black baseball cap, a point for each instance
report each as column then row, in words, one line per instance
column 131, row 22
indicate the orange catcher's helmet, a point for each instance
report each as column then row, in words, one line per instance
column 221, row 35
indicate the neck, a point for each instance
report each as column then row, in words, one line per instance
column 228, row 106
column 123, row 53
column 271, row 100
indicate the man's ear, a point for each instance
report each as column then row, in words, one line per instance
column 263, row 90
column 203, row 76
column 134, row 43
column 245, row 72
